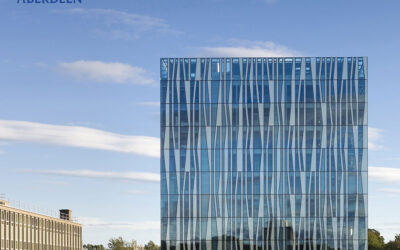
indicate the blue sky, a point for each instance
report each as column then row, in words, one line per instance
column 79, row 94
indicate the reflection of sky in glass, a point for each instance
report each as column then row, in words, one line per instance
column 267, row 151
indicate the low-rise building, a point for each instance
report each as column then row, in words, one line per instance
column 20, row 229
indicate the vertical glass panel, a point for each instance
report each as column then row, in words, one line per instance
column 235, row 69
column 352, row 201
column 310, row 114
column 205, row 182
column 288, row 68
column 259, row 69
column 204, row 205
column 362, row 228
column 193, row 69
column 164, row 205
column 288, row 91
column 228, row 70
column 215, row 69
column 352, row 182
column 173, row 205
column 164, row 69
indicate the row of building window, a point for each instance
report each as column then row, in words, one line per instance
column 23, row 231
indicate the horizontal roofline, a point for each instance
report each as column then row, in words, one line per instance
column 39, row 215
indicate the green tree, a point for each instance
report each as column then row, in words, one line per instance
column 93, row 247
column 375, row 240
column 151, row 246
column 118, row 244
column 393, row 244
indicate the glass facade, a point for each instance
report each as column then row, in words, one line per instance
column 264, row 153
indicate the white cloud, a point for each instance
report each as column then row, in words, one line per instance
column 390, row 190
column 110, row 72
column 135, row 192
column 384, row 174
column 121, row 17
column 388, row 226
column 150, row 104
column 76, row 136
column 120, row 24
column 374, row 138
column 242, row 48
column 99, row 223
column 41, row 64
column 130, row 176
column 2, row 143
column 388, row 229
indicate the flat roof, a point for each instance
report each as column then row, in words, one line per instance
column 13, row 209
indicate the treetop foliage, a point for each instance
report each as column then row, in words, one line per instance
column 120, row 244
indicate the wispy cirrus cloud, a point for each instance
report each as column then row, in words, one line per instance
column 388, row 226
column 136, row 192
column 244, row 48
column 77, row 136
column 121, row 24
column 374, row 138
column 128, row 176
column 384, row 174
column 149, row 104
column 97, row 222
column 390, row 190
column 106, row 72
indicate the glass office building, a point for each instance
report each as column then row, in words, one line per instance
column 264, row 153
